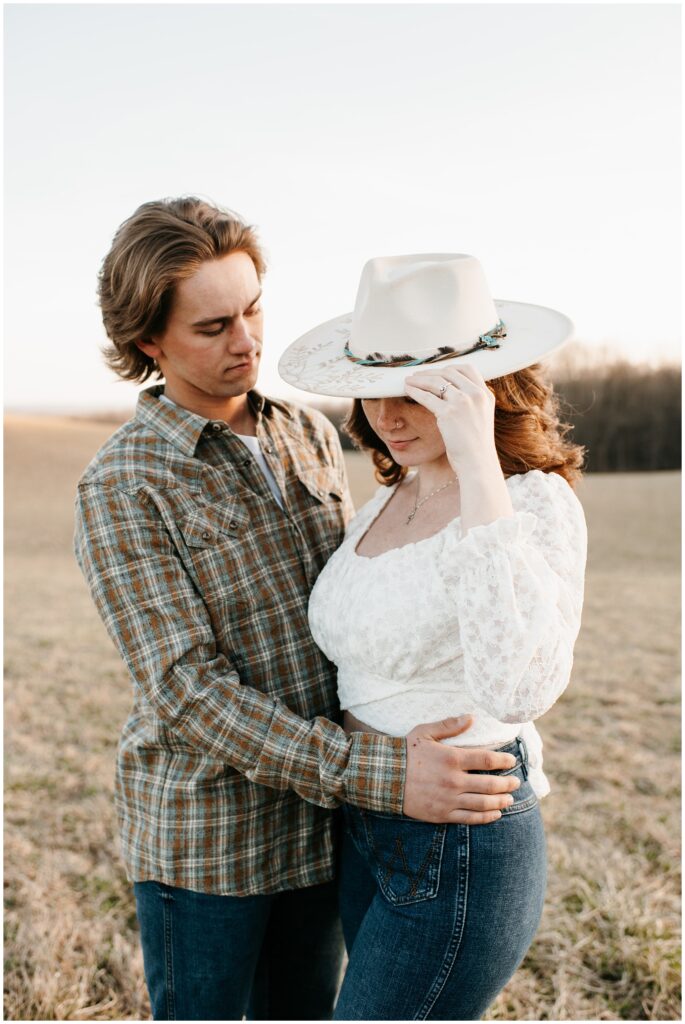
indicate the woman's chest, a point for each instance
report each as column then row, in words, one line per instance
column 396, row 611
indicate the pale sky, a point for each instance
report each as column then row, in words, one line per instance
column 542, row 138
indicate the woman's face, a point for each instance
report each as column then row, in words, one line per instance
column 408, row 429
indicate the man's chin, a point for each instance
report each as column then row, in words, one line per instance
column 243, row 377
column 239, row 384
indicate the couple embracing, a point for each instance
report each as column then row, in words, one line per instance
column 331, row 742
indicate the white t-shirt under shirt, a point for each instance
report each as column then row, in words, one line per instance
column 253, row 446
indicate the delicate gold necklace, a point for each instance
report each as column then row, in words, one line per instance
column 418, row 504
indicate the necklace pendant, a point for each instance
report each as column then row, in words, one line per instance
column 423, row 501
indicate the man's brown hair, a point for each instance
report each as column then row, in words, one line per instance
column 161, row 243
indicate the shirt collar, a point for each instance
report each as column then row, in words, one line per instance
column 260, row 403
column 183, row 428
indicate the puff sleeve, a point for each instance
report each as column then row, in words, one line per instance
column 519, row 585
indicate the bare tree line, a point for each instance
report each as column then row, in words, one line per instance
column 628, row 417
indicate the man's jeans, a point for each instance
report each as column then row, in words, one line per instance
column 211, row 957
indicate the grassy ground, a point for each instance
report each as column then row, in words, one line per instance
column 608, row 947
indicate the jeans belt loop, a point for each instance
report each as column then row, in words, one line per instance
column 523, row 750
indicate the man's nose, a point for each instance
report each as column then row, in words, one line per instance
column 240, row 341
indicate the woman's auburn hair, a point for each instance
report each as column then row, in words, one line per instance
column 529, row 433
column 163, row 242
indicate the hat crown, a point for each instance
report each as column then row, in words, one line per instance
column 417, row 303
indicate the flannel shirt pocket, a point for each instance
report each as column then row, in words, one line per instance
column 219, row 540
column 208, row 526
column 321, row 509
column 322, row 483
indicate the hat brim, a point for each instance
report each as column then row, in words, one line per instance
column 317, row 362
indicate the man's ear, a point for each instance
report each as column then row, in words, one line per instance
column 149, row 347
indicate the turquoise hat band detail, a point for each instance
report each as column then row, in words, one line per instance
column 489, row 340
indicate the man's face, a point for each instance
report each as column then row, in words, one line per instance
column 212, row 343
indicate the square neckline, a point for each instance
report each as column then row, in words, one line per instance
column 401, row 547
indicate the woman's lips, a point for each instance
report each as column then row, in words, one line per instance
column 401, row 444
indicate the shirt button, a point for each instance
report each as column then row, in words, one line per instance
column 206, row 535
column 233, row 525
column 217, row 427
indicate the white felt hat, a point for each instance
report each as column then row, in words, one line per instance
column 418, row 312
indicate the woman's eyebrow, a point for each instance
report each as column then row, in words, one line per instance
column 219, row 319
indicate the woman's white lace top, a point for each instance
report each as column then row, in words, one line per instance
column 482, row 624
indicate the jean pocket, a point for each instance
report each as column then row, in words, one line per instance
column 406, row 856
column 524, row 799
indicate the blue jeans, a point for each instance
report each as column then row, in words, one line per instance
column 438, row 917
column 209, row 957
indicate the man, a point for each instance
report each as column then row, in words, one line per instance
column 201, row 527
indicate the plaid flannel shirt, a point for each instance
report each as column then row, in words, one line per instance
column 231, row 761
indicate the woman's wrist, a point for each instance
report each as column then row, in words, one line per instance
column 478, row 468
column 483, row 491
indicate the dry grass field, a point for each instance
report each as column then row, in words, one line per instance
column 609, row 945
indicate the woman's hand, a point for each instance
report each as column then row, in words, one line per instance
column 464, row 408
column 466, row 419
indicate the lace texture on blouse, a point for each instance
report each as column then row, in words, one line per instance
column 483, row 623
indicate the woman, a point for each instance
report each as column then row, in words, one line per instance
column 458, row 588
